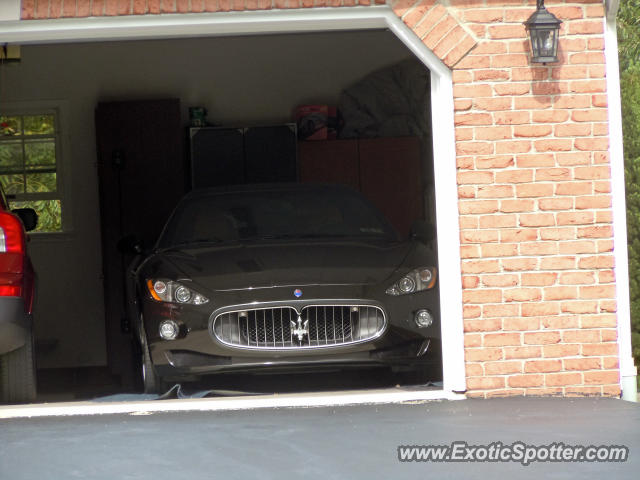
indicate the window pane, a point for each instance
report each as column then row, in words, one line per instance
column 40, row 154
column 39, row 125
column 12, row 184
column 10, row 126
column 10, row 156
column 49, row 214
column 41, row 182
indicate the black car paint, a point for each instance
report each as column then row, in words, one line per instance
column 266, row 272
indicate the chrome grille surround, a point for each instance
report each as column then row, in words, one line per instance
column 300, row 327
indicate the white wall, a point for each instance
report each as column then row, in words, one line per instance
column 239, row 80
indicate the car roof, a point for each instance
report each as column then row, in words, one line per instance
column 269, row 187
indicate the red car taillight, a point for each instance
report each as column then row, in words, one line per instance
column 12, row 250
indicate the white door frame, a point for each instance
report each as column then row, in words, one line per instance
column 311, row 20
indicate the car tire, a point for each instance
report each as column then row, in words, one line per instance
column 18, row 375
column 151, row 382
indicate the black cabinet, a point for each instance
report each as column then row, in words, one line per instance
column 231, row 156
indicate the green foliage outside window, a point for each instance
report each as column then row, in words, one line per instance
column 629, row 54
column 28, row 167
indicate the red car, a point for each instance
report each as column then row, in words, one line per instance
column 17, row 279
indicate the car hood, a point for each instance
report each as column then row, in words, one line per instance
column 242, row 266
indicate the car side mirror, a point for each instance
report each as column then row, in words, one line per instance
column 28, row 216
column 423, row 231
column 130, row 244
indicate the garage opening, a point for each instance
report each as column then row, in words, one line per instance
column 150, row 142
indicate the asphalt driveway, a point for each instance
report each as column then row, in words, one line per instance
column 353, row 442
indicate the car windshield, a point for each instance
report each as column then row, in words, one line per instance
column 281, row 214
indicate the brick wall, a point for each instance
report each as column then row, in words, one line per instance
column 534, row 184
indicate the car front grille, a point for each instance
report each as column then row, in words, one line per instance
column 311, row 327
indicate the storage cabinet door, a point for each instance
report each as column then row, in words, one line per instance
column 270, row 154
column 391, row 178
column 217, row 157
column 330, row 161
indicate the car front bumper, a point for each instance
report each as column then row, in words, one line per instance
column 197, row 351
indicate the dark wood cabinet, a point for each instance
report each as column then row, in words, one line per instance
column 141, row 178
column 388, row 171
column 231, row 156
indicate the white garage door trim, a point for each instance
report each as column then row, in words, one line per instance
column 311, row 20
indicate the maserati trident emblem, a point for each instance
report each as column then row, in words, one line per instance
column 300, row 329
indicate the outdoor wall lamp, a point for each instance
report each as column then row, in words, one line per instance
column 543, row 27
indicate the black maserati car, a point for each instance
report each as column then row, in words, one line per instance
column 282, row 278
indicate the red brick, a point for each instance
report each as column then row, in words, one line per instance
column 556, row 379
column 591, row 144
column 474, row 370
column 501, row 161
column 586, row 27
column 581, row 336
column 518, row 264
column 535, row 160
column 503, row 280
column 499, row 250
column 480, row 266
column 512, row 88
column 577, row 278
column 473, row 119
column 525, row 380
column 483, row 354
column 560, row 293
column 599, row 349
column 532, row 131
column 471, row 311
column 573, row 158
column 557, row 203
column 514, row 176
column 521, row 324
column 561, row 321
column 512, row 118
column 575, row 218
column 542, row 366
column 558, row 263
column 582, row 364
column 493, row 104
column 510, row 206
column 482, row 296
column 576, row 188
column 598, row 291
column 475, row 177
column 602, row 377
column 492, row 133
column 572, row 101
column 536, row 220
column 539, row 279
column 561, row 233
column 518, row 235
column 560, row 350
column 522, row 352
column 534, row 190
column 497, row 221
column 591, row 115
column 596, row 232
column 579, row 307
column 478, row 206
column 501, row 339
column 541, row 338
column 522, row 295
column 485, row 383
column 502, row 368
column 580, row 246
column 483, row 325
column 502, row 310
column 555, row 145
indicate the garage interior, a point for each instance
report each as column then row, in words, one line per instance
column 130, row 147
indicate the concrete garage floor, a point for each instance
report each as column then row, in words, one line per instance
column 358, row 441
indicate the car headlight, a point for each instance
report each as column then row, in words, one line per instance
column 415, row 281
column 163, row 290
